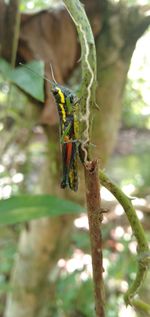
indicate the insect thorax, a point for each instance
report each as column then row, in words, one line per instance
column 65, row 97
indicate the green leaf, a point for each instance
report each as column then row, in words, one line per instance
column 25, row 78
column 29, row 81
column 5, row 69
column 25, row 208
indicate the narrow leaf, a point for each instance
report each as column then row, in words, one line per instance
column 28, row 81
column 25, row 208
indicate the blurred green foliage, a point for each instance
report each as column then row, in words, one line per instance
column 136, row 113
column 131, row 169
column 42, row 4
column 29, row 5
column 72, row 294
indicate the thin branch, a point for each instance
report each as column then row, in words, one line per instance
column 138, row 231
column 138, row 21
column 95, row 219
column 11, row 31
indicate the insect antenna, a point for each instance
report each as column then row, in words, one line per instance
column 52, row 73
column 34, row 72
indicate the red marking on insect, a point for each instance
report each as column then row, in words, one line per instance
column 68, row 150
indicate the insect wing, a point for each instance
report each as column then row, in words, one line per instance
column 73, row 171
column 70, row 174
column 65, row 167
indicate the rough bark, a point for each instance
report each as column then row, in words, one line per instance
column 114, row 49
column 93, row 200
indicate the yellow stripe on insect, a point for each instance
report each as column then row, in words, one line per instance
column 62, row 97
column 63, row 112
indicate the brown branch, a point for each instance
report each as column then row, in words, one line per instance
column 138, row 22
column 9, row 40
column 95, row 219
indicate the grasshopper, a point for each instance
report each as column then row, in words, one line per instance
column 68, row 107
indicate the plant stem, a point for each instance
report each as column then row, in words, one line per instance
column 89, row 66
column 95, row 219
column 92, row 186
column 141, row 306
column 138, row 231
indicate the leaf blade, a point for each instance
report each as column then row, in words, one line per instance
column 25, row 208
column 28, row 81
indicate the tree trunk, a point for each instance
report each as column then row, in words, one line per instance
column 116, row 42
column 39, row 248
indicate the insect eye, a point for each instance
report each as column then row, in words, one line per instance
column 55, row 92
